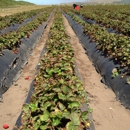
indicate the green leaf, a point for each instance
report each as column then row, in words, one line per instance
column 55, row 121
column 65, row 89
column 43, row 99
column 57, row 90
column 43, row 127
column 36, row 125
column 70, row 94
column 46, row 105
column 26, row 108
column 34, row 119
column 75, row 119
column 74, row 104
column 71, row 98
column 33, row 106
column 61, row 96
column 61, row 81
column 45, row 116
column 80, row 88
column 50, row 96
column 46, row 76
column 71, row 126
column 61, row 106
column 55, row 100
column 56, row 70
column 45, row 85
column 72, row 87
column 48, row 69
column 84, row 115
column 22, row 34
column 78, row 84
column 66, row 114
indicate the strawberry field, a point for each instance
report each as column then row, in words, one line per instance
column 106, row 40
column 57, row 99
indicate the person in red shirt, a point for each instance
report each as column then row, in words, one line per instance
column 76, row 6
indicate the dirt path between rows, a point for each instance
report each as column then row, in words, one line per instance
column 16, row 95
column 108, row 113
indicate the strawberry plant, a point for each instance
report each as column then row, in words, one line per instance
column 12, row 40
column 18, row 18
column 100, row 16
column 58, row 94
column 112, row 45
column 115, row 72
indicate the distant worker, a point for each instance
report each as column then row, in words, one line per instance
column 76, row 6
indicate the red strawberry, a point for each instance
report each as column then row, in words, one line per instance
column 35, row 83
column 15, row 51
column 5, row 126
column 28, row 36
column 27, row 77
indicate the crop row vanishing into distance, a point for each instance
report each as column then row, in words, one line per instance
column 108, row 50
column 112, row 45
column 116, row 21
column 12, row 39
column 17, row 18
column 58, row 94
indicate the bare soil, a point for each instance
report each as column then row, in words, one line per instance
column 108, row 113
column 15, row 96
column 10, row 11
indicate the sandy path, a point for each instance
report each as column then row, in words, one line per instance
column 108, row 114
column 16, row 95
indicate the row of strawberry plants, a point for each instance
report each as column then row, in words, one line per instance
column 110, row 11
column 116, row 15
column 114, row 46
column 120, row 26
column 18, row 18
column 58, row 93
column 12, row 39
column 122, row 10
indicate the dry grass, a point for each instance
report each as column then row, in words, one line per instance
column 9, row 11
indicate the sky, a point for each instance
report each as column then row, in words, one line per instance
column 39, row 2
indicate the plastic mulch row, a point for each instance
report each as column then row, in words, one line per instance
column 104, row 65
column 15, row 26
column 18, row 122
column 11, row 64
column 110, row 30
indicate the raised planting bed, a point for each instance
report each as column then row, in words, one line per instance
column 108, row 54
column 56, row 100
column 100, row 16
column 11, row 62
column 18, row 18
